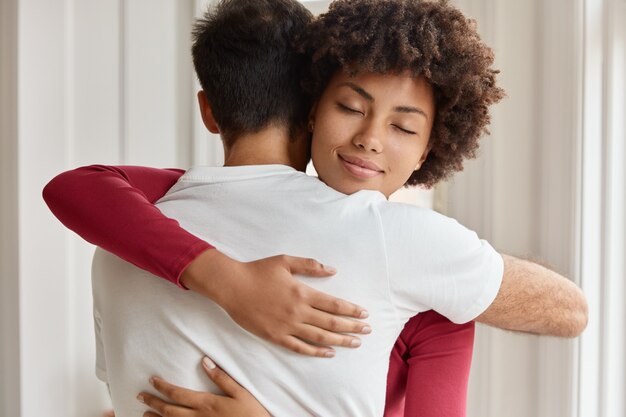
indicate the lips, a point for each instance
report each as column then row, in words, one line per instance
column 360, row 168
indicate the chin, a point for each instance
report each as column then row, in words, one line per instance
column 342, row 188
column 345, row 189
column 349, row 187
column 354, row 188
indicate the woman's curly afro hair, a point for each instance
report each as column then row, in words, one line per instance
column 427, row 38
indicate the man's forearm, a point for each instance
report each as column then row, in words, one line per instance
column 534, row 299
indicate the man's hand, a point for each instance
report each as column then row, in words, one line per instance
column 264, row 298
column 534, row 299
column 237, row 401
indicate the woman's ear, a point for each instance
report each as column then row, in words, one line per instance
column 423, row 158
column 207, row 113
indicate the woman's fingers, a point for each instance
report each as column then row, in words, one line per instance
column 297, row 345
column 325, row 330
column 225, row 382
column 307, row 266
column 336, row 306
column 337, row 324
column 320, row 336
column 322, row 330
column 163, row 407
column 237, row 401
column 181, row 396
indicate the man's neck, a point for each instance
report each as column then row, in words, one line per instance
column 271, row 145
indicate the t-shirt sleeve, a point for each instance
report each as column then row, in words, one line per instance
column 435, row 263
column 112, row 207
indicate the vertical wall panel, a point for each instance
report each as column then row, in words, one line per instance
column 150, row 61
column 558, row 100
column 9, row 265
column 94, row 136
column 44, row 322
column 495, row 197
column 615, row 290
column 520, row 195
column 603, row 235
column 185, row 89
column 591, row 268
column 97, row 84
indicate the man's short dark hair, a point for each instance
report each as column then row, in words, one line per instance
column 428, row 38
column 243, row 56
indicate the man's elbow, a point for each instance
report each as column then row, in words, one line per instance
column 577, row 317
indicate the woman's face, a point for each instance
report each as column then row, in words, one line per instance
column 371, row 131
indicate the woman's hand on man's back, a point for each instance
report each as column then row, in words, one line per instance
column 264, row 298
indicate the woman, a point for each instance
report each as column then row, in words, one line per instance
column 431, row 50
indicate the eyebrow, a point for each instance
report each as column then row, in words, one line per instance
column 358, row 90
column 410, row 109
column 400, row 109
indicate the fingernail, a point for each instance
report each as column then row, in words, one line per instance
column 366, row 329
column 208, row 363
column 329, row 354
column 355, row 343
column 152, row 380
column 364, row 314
column 141, row 399
column 329, row 269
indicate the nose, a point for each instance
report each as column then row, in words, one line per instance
column 370, row 139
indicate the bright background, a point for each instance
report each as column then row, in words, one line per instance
column 110, row 81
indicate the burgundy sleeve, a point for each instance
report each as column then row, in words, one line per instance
column 113, row 207
column 429, row 368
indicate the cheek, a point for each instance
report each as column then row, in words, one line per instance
column 318, row 143
column 319, row 153
column 325, row 136
column 406, row 154
column 405, row 160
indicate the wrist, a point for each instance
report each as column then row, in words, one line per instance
column 209, row 274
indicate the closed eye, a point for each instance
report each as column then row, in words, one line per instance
column 408, row 132
column 347, row 109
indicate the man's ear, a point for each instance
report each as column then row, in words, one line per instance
column 311, row 121
column 207, row 113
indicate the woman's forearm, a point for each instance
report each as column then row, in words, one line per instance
column 112, row 207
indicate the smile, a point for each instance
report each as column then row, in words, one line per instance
column 359, row 167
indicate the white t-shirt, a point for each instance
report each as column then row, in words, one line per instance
column 395, row 260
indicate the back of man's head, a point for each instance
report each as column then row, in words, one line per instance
column 244, row 59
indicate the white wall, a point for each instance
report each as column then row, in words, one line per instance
column 521, row 194
column 86, row 81
column 499, row 206
column 603, row 209
column 9, row 272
